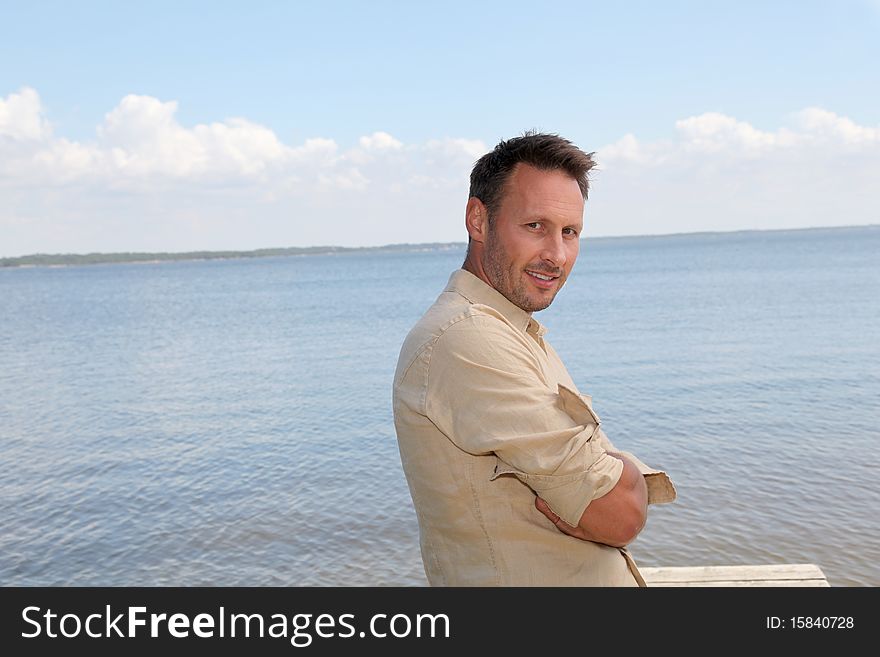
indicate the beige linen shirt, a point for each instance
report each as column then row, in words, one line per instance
column 487, row 417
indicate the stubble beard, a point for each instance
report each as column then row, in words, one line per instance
column 508, row 280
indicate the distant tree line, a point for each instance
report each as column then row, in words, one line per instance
column 56, row 259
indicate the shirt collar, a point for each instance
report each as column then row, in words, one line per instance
column 476, row 290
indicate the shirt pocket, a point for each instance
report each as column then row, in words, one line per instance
column 578, row 406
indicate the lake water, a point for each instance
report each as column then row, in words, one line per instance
column 229, row 422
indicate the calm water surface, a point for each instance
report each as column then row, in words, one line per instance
column 229, row 422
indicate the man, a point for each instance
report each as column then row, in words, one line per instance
column 513, row 480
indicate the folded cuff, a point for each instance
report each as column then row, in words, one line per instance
column 569, row 495
column 661, row 490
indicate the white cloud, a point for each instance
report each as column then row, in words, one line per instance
column 141, row 137
column 722, row 173
column 140, row 143
column 467, row 149
column 628, row 149
column 822, row 124
column 320, row 151
column 21, row 117
column 147, row 182
column 64, row 161
column 714, row 133
column 379, row 141
column 351, row 179
column 717, row 135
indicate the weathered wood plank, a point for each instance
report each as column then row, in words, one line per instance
column 811, row 583
column 764, row 575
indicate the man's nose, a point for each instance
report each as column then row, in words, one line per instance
column 554, row 250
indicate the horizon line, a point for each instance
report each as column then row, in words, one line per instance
column 324, row 249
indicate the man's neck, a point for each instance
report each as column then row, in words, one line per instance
column 473, row 265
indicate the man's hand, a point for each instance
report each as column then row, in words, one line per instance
column 561, row 525
column 614, row 519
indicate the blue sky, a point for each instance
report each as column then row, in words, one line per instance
column 367, row 115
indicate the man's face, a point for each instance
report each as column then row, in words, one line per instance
column 534, row 235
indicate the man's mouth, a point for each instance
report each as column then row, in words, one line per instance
column 542, row 280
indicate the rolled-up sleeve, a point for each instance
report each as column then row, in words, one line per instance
column 661, row 490
column 486, row 391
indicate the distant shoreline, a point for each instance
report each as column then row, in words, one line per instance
column 73, row 259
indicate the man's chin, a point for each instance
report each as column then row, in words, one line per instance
column 536, row 305
column 531, row 303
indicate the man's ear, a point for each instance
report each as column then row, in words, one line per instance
column 476, row 219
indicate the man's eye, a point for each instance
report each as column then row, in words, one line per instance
column 534, row 224
column 571, row 231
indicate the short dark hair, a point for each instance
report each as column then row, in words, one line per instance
column 543, row 151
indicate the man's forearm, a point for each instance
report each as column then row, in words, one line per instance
column 634, row 481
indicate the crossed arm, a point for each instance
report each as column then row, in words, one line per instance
column 488, row 392
column 614, row 519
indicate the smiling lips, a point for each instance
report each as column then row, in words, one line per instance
column 542, row 280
